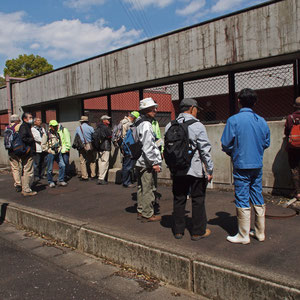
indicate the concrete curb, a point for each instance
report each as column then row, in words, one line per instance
column 202, row 277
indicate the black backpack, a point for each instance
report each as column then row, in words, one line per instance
column 178, row 150
column 98, row 137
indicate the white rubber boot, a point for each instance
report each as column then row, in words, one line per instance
column 259, row 232
column 243, row 216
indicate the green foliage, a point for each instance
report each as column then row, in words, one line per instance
column 2, row 81
column 27, row 66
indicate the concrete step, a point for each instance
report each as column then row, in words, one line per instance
column 208, row 276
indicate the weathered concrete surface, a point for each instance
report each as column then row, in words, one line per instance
column 169, row 267
column 3, row 99
column 55, row 226
column 222, row 283
column 105, row 224
column 41, row 269
column 264, row 32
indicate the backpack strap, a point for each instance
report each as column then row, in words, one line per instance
column 83, row 135
column 293, row 120
column 141, row 120
column 190, row 122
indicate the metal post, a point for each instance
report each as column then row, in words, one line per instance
column 297, row 77
column 141, row 94
column 9, row 100
column 231, row 83
column 43, row 115
column 180, row 91
column 109, row 107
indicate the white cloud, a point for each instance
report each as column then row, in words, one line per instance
column 64, row 39
column 192, row 8
column 83, row 4
column 223, row 5
column 140, row 4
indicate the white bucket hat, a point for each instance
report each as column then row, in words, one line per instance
column 146, row 103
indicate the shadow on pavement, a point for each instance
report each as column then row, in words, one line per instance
column 226, row 221
column 131, row 209
column 3, row 212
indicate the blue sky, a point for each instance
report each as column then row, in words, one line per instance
column 66, row 31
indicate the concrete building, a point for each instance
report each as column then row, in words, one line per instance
column 262, row 37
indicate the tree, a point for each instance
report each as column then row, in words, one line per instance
column 2, row 81
column 27, row 66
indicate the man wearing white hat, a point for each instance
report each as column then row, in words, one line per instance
column 149, row 161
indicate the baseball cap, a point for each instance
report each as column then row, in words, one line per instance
column 105, row 117
column 188, row 102
column 53, row 123
column 135, row 113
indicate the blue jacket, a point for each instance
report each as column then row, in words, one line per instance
column 87, row 131
column 245, row 137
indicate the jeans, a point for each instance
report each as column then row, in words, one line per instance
column 128, row 164
column 66, row 158
column 59, row 159
column 248, row 187
column 39, row 163
column 182, row 185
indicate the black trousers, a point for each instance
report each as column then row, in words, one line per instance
column 196, row 187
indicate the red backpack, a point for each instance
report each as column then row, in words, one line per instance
column 294, row 137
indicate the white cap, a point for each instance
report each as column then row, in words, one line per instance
column 14, row 118
column 146, row 103
column 105, row 117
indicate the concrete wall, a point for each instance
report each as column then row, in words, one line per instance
column 264, row 32
column 277, row 175
column 3, row 99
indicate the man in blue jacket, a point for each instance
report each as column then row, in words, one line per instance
column 244, row 139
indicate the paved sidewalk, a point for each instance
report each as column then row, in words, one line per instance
column 112, row 208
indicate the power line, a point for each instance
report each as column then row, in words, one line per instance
column 144, row 17
column 138, row 21
column 130, row 17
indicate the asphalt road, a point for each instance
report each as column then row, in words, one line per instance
column 35, row 268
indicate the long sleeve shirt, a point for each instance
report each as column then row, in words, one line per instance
column 38, row 133
column 200, row 143
column 65, row 138
column 245, row 137
column 87, row 131
column 151, row 155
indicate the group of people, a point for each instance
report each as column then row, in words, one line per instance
column 92, row 145
column 186, row 149
column 32, row 150
column 245, row 138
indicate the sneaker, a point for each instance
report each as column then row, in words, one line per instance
column 37, row 179
column 131, row 186
column 154, row 218
column 62, row 183
column 83, row 179
column 139, row 216
column 197, row 237
column 178, row 236
column 101, row 182
column 18, row 188
column 31, row 193
column 52, row 184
